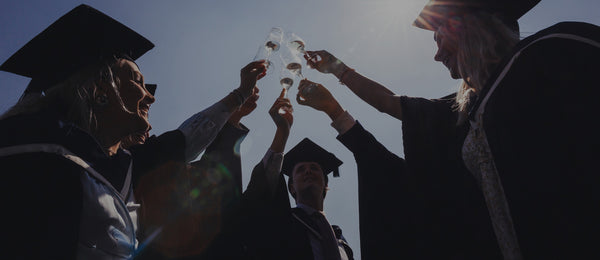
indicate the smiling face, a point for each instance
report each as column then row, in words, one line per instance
column 447, row 43
column 130, row 117
column 308, row 178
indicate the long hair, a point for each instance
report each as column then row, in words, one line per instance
column 483, row 40
column 74, row 99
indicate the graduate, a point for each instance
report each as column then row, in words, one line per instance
column 505, row 167
column 273, row 229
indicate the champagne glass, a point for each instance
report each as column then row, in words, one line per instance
column 291, row 60
column 286, row 79
column 294, row 42
column 271, row 44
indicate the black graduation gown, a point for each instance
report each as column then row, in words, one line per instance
column 268, row 229
column 539, row 122
column 386, row 229
column 196, row 227
column 451, row 218
column 42, row 191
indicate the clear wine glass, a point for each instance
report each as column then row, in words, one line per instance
column 286, row 79
column 290, row 58
column 294, row 42
column 271, row 44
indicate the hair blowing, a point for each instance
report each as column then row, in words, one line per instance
column 483, row 40
column 74, row 100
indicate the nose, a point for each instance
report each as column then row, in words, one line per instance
column 307, row 172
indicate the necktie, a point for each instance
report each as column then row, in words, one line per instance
column 329, row 242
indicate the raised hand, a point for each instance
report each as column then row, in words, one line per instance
column 245, row 109
column 324, row 62
column 318, row 97
column 283, row 121
column 249, row 75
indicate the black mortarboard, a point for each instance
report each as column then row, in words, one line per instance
column 307, row 151
column 81, row 37
column 436, row 12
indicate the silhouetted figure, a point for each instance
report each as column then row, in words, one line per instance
column 62, row 140
column 520, row 123
column 274, row 230
column 382, row 176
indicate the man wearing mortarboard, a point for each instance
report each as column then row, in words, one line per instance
column 274, row 229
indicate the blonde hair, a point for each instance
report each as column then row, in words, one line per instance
column 483, row 40
column 74, row 99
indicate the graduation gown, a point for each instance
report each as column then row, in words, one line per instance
column 193, row 205
column 269, row 229
column 44, row 191
column 386, row 229
column 538, row 116
column 451, row 218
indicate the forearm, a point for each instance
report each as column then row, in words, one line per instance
column 279, row 140
column 333, row 110
column 370, row 91
column 235, row 99
column 202, row 128
column 273, row 159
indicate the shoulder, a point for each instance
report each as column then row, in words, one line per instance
column 575, row 31
column 560, row 39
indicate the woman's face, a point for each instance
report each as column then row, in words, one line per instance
column 136, row 98
column 447, row 43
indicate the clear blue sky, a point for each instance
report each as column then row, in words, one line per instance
column 202, row 44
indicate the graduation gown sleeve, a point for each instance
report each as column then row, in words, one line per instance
column 266, row 220
column 386, row 228
column 192, row 203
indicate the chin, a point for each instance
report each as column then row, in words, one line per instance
column 140, row 124
column 454, row 74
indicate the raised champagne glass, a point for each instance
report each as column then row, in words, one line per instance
column 270, row 45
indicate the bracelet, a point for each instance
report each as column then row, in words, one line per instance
column 344, row 74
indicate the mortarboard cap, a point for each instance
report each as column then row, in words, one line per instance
column 436, row 12
column 308, row 151
column 81, row 37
